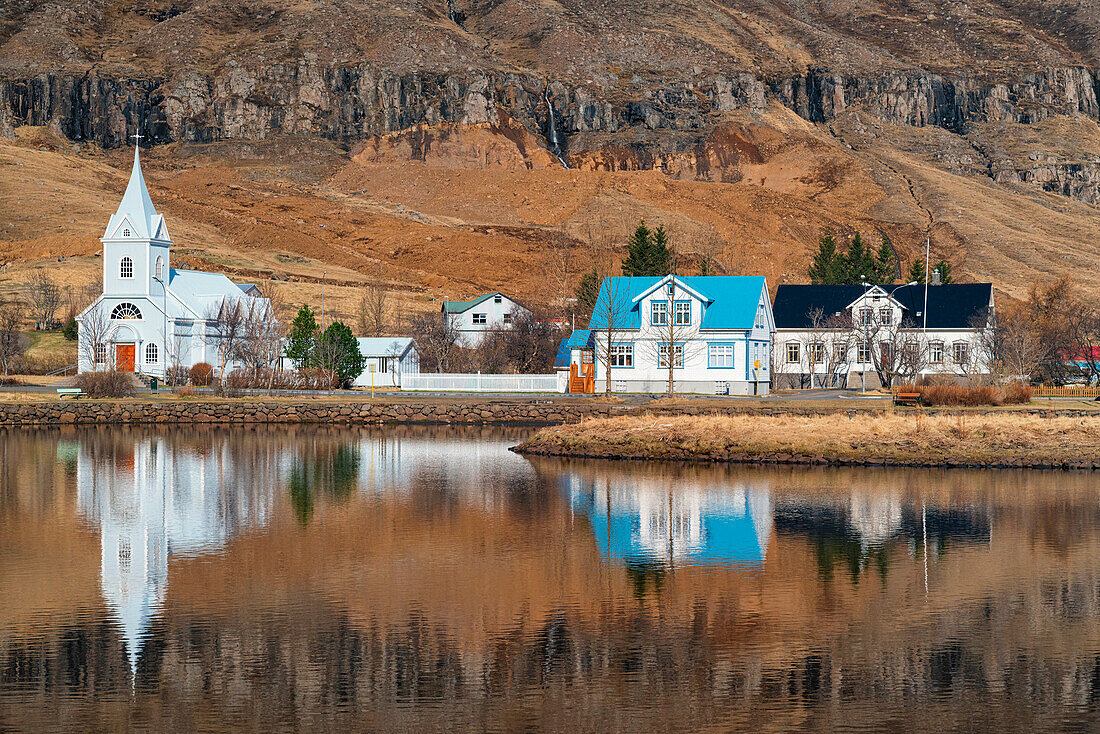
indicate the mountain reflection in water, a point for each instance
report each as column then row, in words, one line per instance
column 419, row 579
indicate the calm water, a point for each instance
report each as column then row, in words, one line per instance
column 413, row 580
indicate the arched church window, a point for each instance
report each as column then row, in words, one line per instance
column 158, row 269
column 125, row 312
column 100, row 353
column 152, row 353
column 126, row 268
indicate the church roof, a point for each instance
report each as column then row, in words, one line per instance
column 202, row 292
column 136, row 212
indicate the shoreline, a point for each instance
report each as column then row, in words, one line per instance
column 977, row 441
column 458, row 410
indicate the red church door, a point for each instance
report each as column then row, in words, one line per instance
column 124, row 357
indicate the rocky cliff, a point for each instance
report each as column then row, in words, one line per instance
column 638, row 127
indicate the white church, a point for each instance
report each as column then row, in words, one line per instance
column 145, row 300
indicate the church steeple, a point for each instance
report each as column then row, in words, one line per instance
column 136, row 245
column 136, row 217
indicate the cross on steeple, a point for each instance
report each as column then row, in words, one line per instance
column 137, row 137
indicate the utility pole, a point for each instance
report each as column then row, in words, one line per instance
column 927, row 264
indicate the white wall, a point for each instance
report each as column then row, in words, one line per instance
column 471, row 333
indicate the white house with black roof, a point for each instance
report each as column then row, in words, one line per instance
column 875, row 335
column 488, row 312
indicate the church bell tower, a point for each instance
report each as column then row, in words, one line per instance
column 136, row 243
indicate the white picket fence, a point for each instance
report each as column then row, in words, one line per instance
column 467, row 382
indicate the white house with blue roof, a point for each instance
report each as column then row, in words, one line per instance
column 151, row 316
column 717, row 330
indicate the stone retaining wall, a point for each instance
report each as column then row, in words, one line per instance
column 471, row 412
column 93, row 412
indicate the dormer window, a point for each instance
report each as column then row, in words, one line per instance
column 126, row 267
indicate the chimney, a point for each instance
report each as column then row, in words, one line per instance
column 936, row 278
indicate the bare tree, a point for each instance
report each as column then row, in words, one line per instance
column 610, row 317
column 436, row 337
column 1015, row 345
column 230, row 328
column 12, row 341
column 93, row 339
column 374, row 307
column 44, row 295
column 897, row 351
column 676, row 332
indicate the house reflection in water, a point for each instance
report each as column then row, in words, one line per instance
column 152, row 502
column 660, row 519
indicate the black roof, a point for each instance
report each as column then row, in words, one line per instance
column 952, row 306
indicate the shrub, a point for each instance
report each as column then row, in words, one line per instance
column 177, row 375
column 69, row 331
column 110, row 384
column 186, row 392
column 201, row 374
column 969, row 395
column 1017, row 393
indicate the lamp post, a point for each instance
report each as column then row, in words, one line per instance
column 164, row 356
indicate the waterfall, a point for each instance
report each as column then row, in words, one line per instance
column 552, row 129
column 457, row 16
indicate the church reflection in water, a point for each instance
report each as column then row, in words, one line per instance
column 153, row 501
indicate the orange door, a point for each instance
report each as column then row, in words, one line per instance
column 124, row 357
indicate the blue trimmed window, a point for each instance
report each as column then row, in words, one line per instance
column 681, row 313
column 720, row 356
column 658, row 313
column 677, row 356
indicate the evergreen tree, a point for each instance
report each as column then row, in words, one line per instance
column 588, row 290
column 827, row 263
column 637, row 252
column 885, row 263
column 861, row 263
column 660, row 253
column 339, row 351
column 916, row 271
column 648, row 252
column 302, row 340
column 945, row 272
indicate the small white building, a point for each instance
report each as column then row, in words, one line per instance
column 150, row 316
column 718, row 330
column 850, row 336
column 386, row 359
column 488, row 312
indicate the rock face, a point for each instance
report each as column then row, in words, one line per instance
column 666, row 127
column 352, row 103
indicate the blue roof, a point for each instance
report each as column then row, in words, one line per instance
column 579, row 339
column 731, row 300
column 729, row 534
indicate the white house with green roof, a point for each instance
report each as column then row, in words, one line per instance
column 488, row 312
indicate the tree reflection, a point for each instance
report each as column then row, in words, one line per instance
column 322, row 469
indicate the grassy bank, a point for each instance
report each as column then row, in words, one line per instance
column 970, row 439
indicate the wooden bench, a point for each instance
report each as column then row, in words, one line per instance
column 907, row 398
column 69, row 392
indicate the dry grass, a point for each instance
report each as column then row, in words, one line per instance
column 993, row 438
